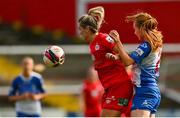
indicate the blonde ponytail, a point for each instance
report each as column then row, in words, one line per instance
column 98, row 13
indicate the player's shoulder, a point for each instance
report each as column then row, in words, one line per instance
column 144, row 47
column 17, row 79
column 36, row 75
column 85, row 84
column 145, row 44
column 100, row 34
column 105, row 37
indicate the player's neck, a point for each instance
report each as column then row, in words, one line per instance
column 26, row 74
column 92, row 37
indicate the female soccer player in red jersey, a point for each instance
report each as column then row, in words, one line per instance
column 91, row 96
column 112, row 74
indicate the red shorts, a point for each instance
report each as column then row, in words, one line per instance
column 93, row 112
column 118, row 97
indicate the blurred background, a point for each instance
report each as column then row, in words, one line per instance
column 27, row 27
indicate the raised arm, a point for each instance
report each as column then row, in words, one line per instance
column 119, row 49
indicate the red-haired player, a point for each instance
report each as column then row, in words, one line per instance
column 112, row 74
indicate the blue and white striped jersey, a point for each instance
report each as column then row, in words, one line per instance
column 147, row 64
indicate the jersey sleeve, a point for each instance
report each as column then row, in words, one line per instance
column 141, row 52
column 40, row 85
column 108, row 42
column 13, row 88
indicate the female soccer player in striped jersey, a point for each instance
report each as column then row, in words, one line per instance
column 112, row 74
column 146, row 60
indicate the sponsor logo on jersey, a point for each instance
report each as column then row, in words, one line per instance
column 139, row 51
column 123, row 102
column 109, row 39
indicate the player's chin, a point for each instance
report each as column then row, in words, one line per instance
column 82, row 37
column 86, row 39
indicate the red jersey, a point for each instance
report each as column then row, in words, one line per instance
column 92, row 95
column 107, row 69
column 101, row 45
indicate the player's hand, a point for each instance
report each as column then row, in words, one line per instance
column 115, row 35
column 38, row 96
column 111, row 56
column 26, row 96
column 34, row 97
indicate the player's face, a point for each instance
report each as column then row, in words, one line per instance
column 27, row 64
column 136, row 31
column 84, row 33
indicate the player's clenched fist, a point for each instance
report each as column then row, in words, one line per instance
column 111, row 56
column 115, row 35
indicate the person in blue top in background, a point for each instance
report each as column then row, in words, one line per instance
column 146, row 63
column 27, row 91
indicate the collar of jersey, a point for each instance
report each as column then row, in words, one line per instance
column 26, row 79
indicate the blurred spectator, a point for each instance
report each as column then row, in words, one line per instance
column 91, row 95
column 27, row 91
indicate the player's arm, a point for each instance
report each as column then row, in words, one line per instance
column 112, row 56
column 123, row 55
column 136, row 56
column 117, row 47
column 40, row 95
column 82, row 98
column 109, row 43
column 19, row 97
column 13, row 96
column 82, row 101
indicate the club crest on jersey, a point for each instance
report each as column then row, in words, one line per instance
column 97, row 47
column 109, row 39
column 110, row 99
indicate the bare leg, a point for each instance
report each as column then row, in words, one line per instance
column 152, row 115
column 140, row 113
column 110, row 113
